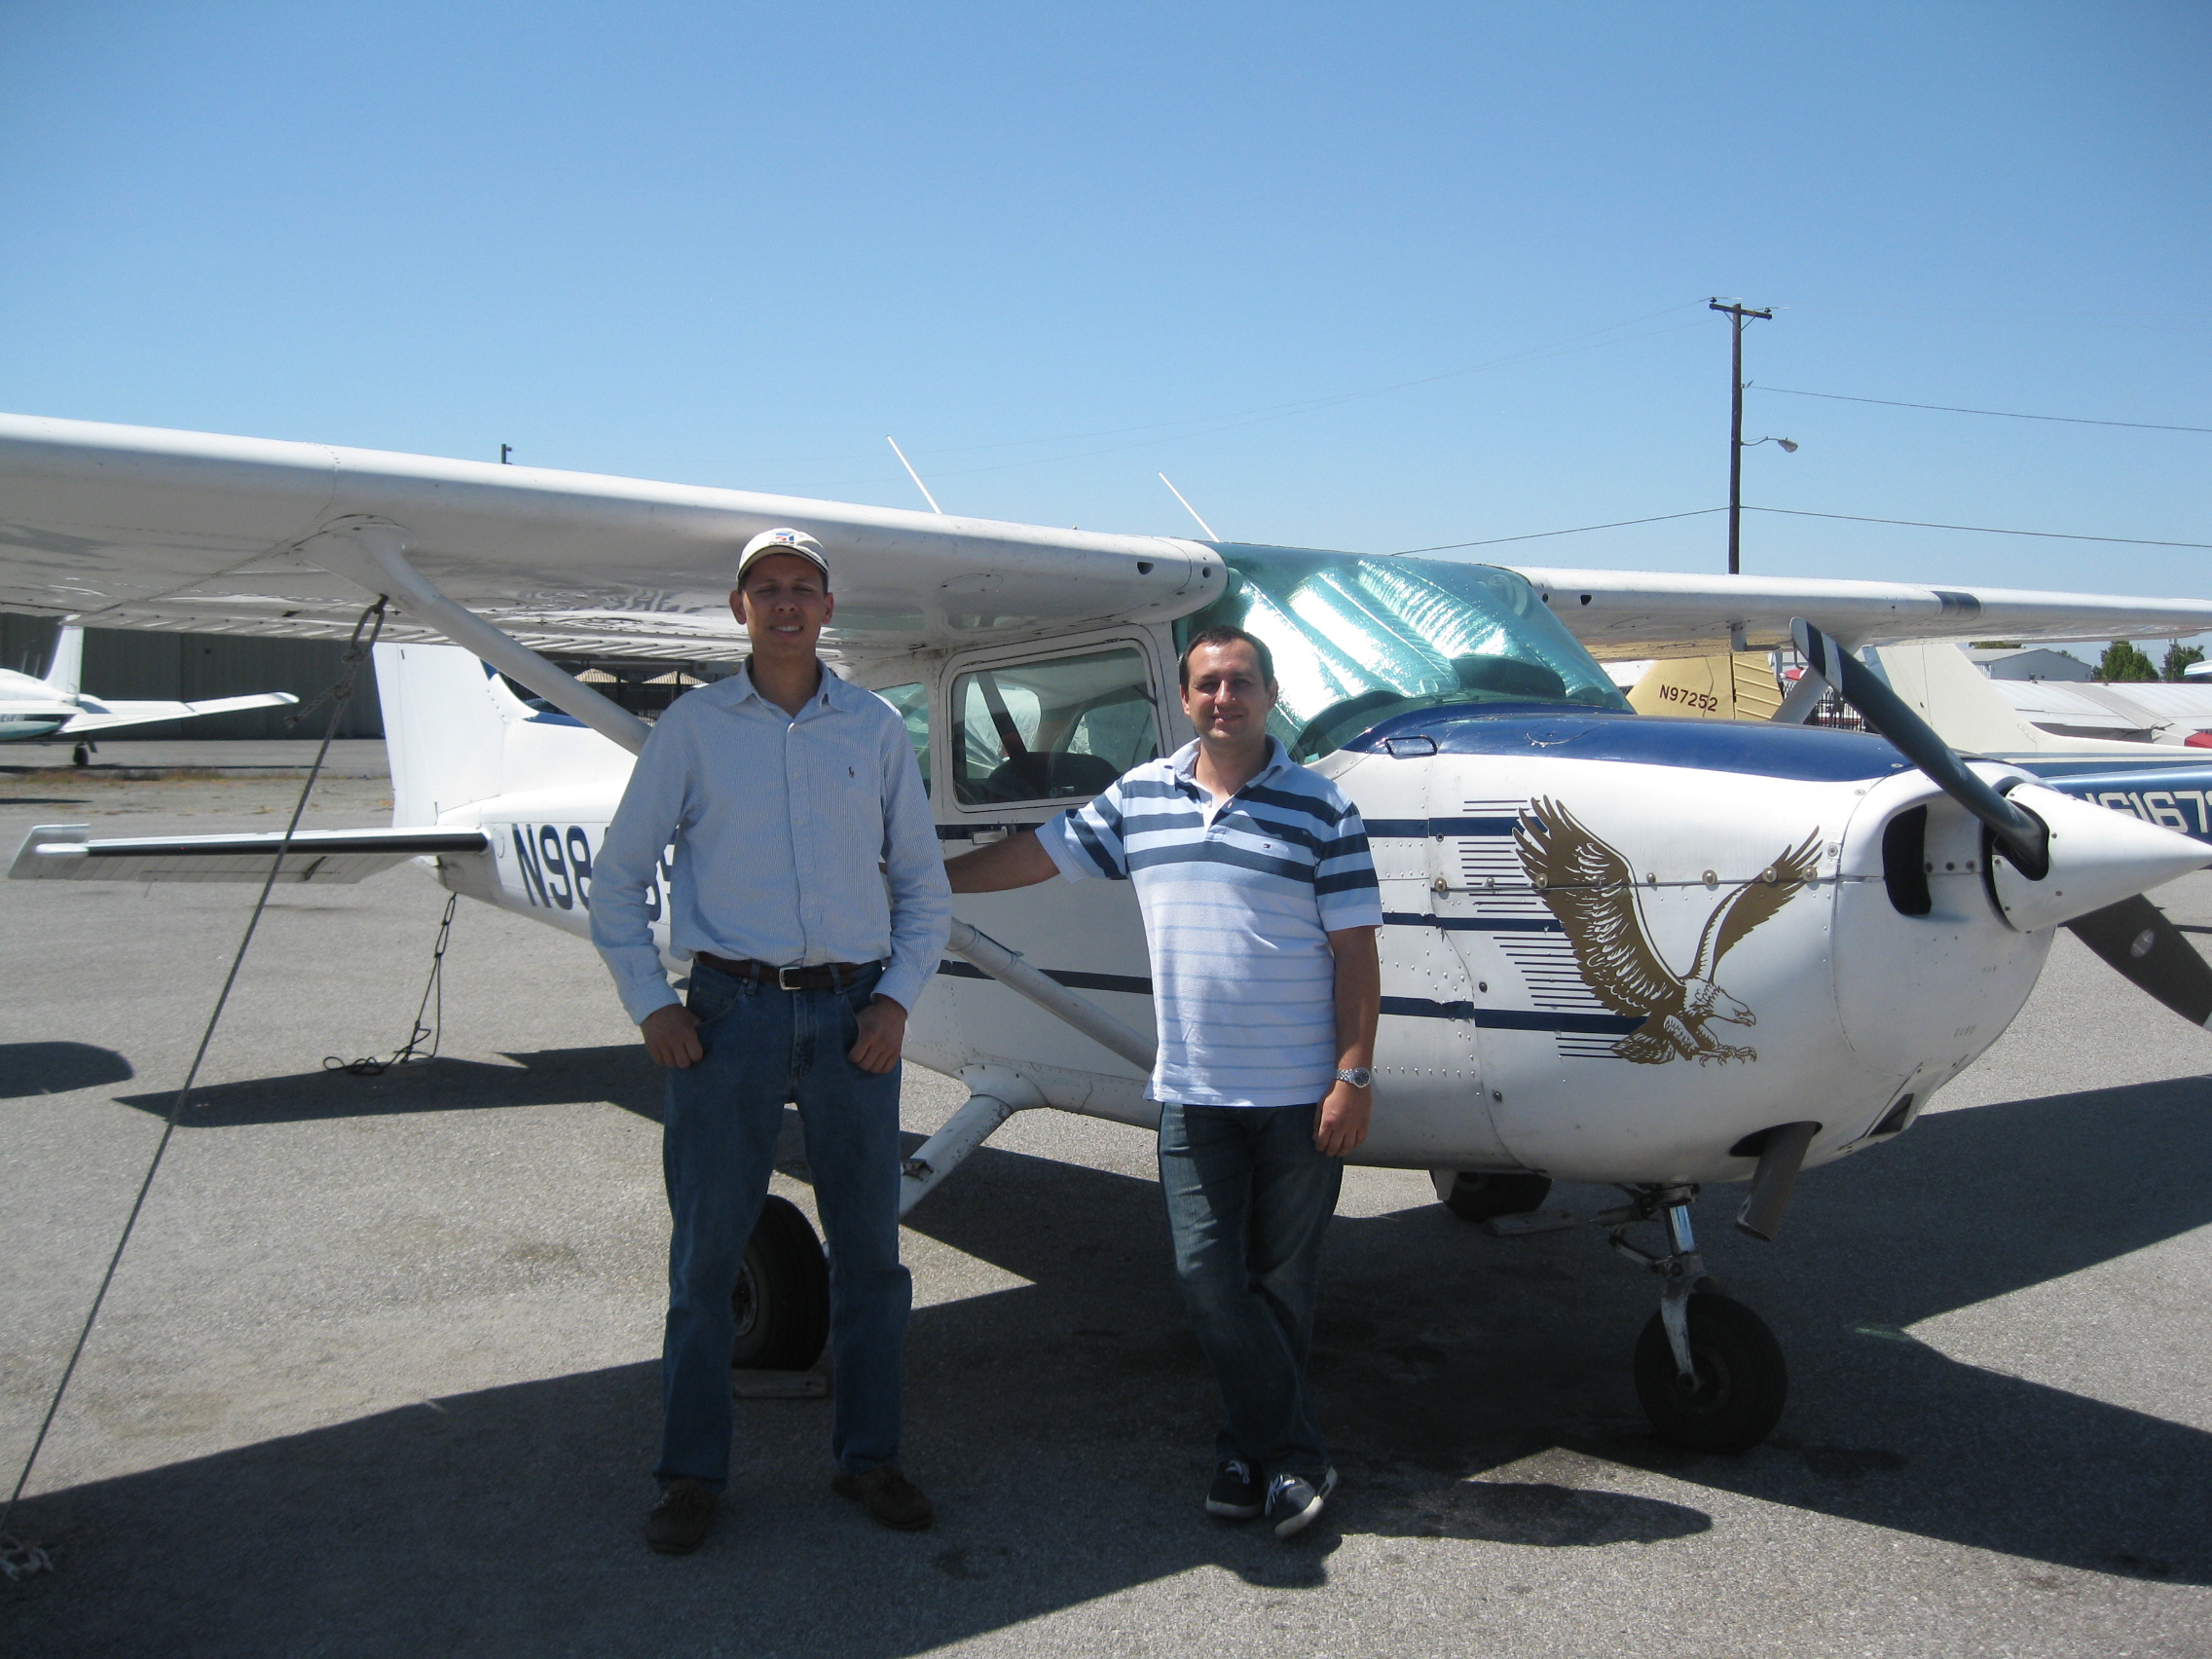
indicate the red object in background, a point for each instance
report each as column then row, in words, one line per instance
column 2198, row 740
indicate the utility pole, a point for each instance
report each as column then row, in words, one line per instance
column 1741, row 313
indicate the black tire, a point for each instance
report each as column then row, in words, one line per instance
column 1741, row 1380
column 80, row 756
column 782, row 1293
column 1476, row 1198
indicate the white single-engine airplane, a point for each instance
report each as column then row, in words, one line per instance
column 1635, row 950
column 39, row 708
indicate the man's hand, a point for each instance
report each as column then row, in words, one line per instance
column 672, row 1037
column 884, row 1033
column 1341, row 1124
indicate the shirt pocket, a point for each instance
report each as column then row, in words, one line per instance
column 849, row 800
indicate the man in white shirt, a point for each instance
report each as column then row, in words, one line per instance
column 1260, row 911
column 809, row 893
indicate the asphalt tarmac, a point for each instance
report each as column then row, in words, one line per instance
column 378, row 1375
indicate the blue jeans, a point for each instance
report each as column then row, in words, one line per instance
column 766, row 1047
column 1249, row 1196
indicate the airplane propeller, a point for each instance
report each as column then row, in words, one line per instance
column 2026, row 841
column 2131, row 935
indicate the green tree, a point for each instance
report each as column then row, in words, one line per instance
column 2179, row 656
column 2121, row 661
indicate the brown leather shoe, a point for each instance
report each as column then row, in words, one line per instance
column 677, row 1524
column 888, row 1495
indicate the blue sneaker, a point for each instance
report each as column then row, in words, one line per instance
column 1292, row 1501
column 1237, row 1492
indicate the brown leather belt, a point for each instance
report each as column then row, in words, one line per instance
column 822, row 977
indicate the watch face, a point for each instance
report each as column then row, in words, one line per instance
column 1359, row 1077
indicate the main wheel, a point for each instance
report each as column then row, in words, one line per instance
column 1742, row 1380
column 1476, row 1197
column 782, row 1293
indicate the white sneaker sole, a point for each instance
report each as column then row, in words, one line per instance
column 1291, row 1524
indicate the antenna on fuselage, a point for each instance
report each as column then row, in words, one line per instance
column 912, row 473
column 1187, row 507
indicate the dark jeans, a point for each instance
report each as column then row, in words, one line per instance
column 766, row 1047
column 1249, row 1196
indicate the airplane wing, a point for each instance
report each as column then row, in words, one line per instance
column 132, row 527
column 135, row 527
column 1626, row 614
column 63, row 852
column 99, row 714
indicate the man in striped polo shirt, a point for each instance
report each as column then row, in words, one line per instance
column 1259, row 910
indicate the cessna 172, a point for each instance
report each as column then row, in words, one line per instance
column 1645, row 951
column 39, row 708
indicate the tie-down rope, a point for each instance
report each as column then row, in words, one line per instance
column 18, row 1557
column 433, row 1003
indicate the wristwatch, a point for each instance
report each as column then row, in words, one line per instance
column 1359, row 1077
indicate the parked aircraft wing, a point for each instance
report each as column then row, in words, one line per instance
column 63, row 852
column 1621, row 615
column 138, row 527
column 100, row 715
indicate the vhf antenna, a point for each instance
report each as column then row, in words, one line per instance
column 912, row 473
column 1187, row 507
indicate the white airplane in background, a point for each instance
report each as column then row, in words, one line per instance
column 1638, row 950
column 32, row 708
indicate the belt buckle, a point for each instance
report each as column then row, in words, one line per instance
column 784, row 981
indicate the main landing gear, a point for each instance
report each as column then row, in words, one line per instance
column 782, row 1293
column 1709, row 1372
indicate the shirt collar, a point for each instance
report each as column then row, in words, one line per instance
column 830, row 694
column 1184, row 763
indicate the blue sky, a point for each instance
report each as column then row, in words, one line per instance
column 1371, row 278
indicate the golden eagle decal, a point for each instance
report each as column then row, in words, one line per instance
column 1592, row 891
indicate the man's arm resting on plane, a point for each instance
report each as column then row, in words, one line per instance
column 1018, row 861
column 1343, row 1120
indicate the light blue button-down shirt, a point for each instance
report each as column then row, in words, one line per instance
column 798, row 840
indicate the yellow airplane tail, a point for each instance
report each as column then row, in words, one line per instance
column 1733, row 686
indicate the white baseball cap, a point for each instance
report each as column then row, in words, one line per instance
column 784, row 540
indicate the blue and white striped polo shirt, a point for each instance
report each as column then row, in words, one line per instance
column 1239, row 898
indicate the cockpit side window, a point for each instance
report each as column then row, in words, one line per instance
column 1357, row 640
column 913, row 705
column 1051, row 729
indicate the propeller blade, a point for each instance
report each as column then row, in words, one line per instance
column 2135, row 938
column 2025, row 840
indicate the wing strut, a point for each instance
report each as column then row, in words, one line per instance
column 371, row 554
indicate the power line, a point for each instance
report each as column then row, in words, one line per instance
column 1539, row 534
column 1797, row 512
column 2005, row 414
column 1981, row 529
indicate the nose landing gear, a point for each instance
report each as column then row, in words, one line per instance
column 1709, row 1372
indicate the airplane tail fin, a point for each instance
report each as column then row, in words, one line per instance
column 66, row 675
column 1730, row 685
column 455, row 733
column 443, row 732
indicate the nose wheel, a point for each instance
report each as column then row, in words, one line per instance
column 1707, row 1371
column 1734, row 1393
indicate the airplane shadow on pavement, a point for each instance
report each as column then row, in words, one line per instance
column 1475, row 1388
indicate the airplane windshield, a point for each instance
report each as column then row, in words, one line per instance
column 1357, row 640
